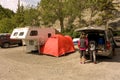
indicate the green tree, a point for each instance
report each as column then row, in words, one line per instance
column 53, row 10
column 5, row 13
column 31, row 17
column 108, row 9
column 105, row 9
column 19, row 16
column 6, row 25
column 50, row 11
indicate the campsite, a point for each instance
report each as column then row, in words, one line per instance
column 51, row 30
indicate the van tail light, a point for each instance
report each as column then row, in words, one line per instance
column 108, row 45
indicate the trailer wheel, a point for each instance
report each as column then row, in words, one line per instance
column 20, row 44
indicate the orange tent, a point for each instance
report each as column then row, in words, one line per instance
column 58, row 45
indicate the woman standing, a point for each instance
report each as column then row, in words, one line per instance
column 82, row 44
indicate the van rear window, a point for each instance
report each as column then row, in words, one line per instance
column 34, row 33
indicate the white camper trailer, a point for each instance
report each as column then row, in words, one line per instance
column 34, row 37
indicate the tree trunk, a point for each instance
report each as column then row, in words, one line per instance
column 61, row 24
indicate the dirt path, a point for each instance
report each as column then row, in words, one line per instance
column 16, row 64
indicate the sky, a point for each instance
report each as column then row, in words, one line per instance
column 12, row 4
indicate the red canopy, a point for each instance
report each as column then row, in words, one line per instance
column 58, row 45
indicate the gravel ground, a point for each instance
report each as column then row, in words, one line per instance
column 16, row 64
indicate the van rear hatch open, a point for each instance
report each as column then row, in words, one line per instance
column 96, row 34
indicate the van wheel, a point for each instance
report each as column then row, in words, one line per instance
column 6, row 45
column 111, row 54
column 114, row 53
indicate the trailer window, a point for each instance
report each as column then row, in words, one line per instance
column 49, row 35
column 34, row 33
column 21, row 33
column 16, row 33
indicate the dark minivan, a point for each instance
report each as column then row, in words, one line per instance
column 103, row 37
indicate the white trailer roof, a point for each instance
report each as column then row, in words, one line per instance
column 19, row 33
